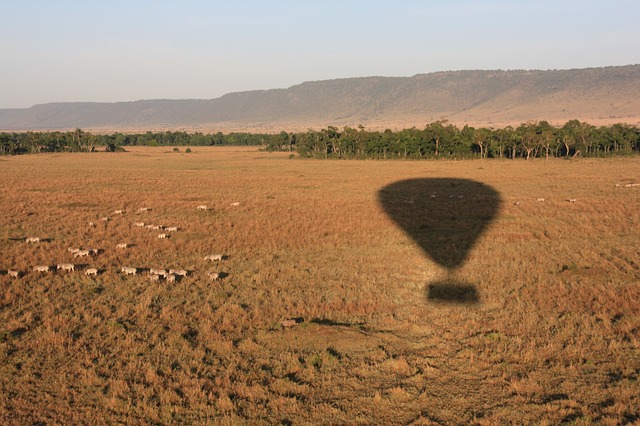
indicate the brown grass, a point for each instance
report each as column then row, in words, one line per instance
column 554, row 338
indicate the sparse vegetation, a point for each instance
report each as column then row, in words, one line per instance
column 554, row 336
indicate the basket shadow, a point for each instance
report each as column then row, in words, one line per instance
column 450, row 291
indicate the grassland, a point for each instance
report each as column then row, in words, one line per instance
column 554, row 335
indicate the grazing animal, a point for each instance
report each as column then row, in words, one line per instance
column 162, row 236
column 122, row 245
column 213, row 257
column 82, row 253
column 213, row 276
column 540, row 200
column 139, row 224
column 93, row 252
column 180, row 272
column 203, row 207
column 154, row 278
column 171, row 229
column 170, row 278
column 236, row 204
column 129, row 271
column 104, row 219
column 91, row 271
column 288, row 323
column 517, row 203
column 92, row 225
column 66, row 267
column 73, row 250
column 154, row 227
column 41, row 269
column 571, row 200
column 118, row 212
column 13, row 274
column 33, row 239
column 157, row 271
column 142, row 210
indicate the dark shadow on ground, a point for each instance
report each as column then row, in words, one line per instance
column 445, row 217
column 450, row 291
column 325, row 321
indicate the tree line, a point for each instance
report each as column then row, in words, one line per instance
column 12, row 143
column 439, row 139
column 444, row 140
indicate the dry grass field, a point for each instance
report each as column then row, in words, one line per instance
column 552, row 334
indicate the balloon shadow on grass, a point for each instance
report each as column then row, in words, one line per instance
column 445, row 217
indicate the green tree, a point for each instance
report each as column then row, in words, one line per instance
column 546, row 137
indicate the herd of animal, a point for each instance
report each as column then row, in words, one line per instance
column 155, row 275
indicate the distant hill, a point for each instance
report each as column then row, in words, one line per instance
column 488, row 98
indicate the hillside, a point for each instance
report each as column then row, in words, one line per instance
column 489, row 98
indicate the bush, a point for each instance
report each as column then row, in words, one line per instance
column 112, row 147
column 188, row 150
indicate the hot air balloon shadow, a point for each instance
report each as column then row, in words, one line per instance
column 445, row 217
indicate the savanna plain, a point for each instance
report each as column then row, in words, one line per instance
column 552, row 334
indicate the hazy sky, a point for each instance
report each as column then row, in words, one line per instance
column 125, row 50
